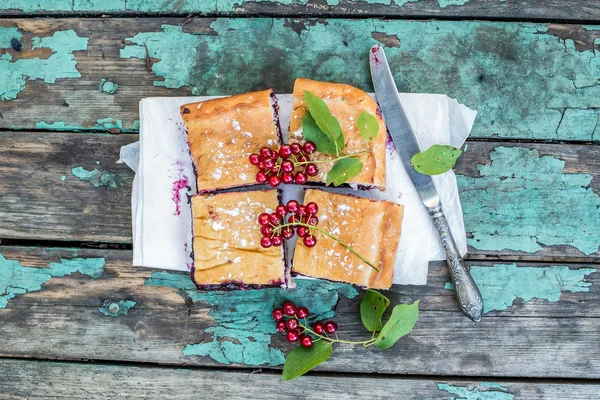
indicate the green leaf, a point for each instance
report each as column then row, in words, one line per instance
column 344, row 170
column 403, row 319
column 435, row 160
column 372, row 307
column 313, row 133
column 301, row 360
column 368, row 125
column 328, row 123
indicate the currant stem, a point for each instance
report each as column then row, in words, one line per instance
column 364, row 342
column 297, row 163
column 340, row 241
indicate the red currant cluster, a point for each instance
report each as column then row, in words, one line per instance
column 277, row 167
column 275, row 228
column 287, row 321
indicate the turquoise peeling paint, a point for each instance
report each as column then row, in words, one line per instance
column 112, row 308
column 101, row 124
column 16, row 279
column 502, row 284
column 484, row 391
column 446, row 3
column 244, row 323
column 96, row 177
column 504, row 70
column 107, row 86
column 523, row 201
column 176, row 49
column 61, row 64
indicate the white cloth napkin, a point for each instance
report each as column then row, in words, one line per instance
column 161, row 215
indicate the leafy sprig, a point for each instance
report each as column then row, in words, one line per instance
column 435, row 160
column 322, row 128
column 373, row 305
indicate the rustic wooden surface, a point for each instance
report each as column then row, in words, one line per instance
column 483, row 64
column 483, row 9
column 513, row 341
column 528, row 182
column 45, row 380
column 37, row 204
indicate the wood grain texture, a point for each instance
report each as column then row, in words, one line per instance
column 534, row 338
column 535, row 81
column 481, row 9
column 507, row 202
column 45, row 380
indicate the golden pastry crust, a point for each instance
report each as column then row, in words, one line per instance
column 227, row 240
column 371, row 227
column 346, row 103
column 223, row 132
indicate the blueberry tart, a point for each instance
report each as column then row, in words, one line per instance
column 371, row 228
column 223, row 132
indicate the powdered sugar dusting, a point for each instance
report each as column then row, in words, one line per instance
column 217, row 174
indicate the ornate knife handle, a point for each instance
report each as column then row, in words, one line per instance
column 467, row 292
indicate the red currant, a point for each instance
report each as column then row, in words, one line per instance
column 280, row 210
column 319, row 328
column 287, row 232
column 300, row 178
column 302, row 158
column 309, row 147
column 296, row 148
column 302, row 312
column 268, row 163
column 312, row 208
column 311, row 170
column 292, row 206
column 302, row 231
column 306, row 341
column 287, row 166
column 277, row 240
column 309, row 240
column 302, row 210
column 292, row 219
column 289, row 308
column 275, row 219
column 254, row 159
column 264, row 218
column 292, row 323
column 292, row 336
column 262, row 167
column 313, row 220
column 266, row 242
column 287, row 178
column 261, row 177
column 285, row 151
column 266, row 153
column 274, row 181
column 330, row 327
column 278, row 314
column 280, row 326
column 266, row 230
column 275, row 168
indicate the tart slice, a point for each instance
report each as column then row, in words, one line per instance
column 370, row 227
column 227, row 250
column 222, row 133
column 346, row 103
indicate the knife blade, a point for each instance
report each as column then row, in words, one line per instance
column 407, row 144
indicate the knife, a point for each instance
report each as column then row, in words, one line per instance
column 407, row 143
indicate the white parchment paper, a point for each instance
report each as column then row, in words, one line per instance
column 161, row 215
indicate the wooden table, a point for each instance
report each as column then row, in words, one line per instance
column 529, row 185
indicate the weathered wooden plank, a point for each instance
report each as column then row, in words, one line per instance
column 527, row 80
column 44, row 194
column 536, row 201
column 44, row 380
column 481, row 9
column 553, row 334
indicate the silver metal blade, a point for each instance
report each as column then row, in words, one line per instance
column 399, row 124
